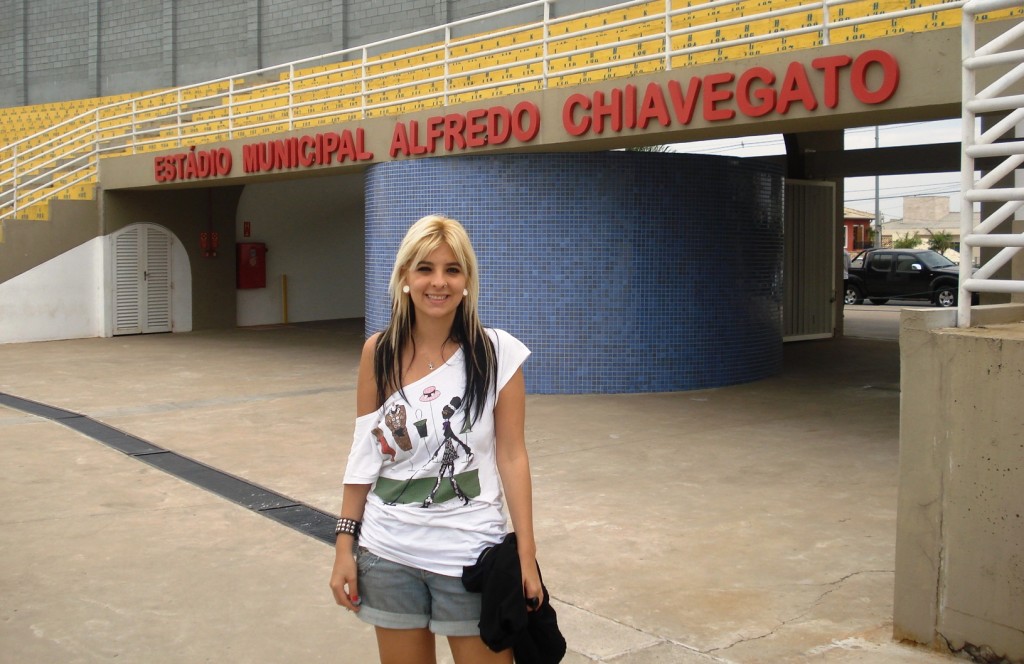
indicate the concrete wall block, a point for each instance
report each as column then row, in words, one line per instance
column 137, row 30
column 292, row 31
column 58, row 38
column 160, row 43
column 11, row 57
column 984, row 505
column 959, row 571
column 371, row 19
column 461, row 10
column 213, row 40
column 9, row 90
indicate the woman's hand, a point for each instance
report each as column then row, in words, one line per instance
column 344, row 576
column 532, row 587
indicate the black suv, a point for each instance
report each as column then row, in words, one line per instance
column 906, row 274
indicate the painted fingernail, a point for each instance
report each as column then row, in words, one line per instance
column 357, row 600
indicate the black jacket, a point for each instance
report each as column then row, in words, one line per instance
column 504, row 620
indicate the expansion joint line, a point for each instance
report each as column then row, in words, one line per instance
column 292, row 513
column 831, row 588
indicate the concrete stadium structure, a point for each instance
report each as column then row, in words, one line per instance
column 177, row 169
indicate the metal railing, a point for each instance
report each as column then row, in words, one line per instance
column 997, row 141
column 453, row 66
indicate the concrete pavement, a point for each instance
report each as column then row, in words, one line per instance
column 873, row 321
column 748, row 524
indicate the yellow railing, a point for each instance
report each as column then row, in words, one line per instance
column 453, row 66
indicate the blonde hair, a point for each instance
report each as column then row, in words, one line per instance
column 422, row 238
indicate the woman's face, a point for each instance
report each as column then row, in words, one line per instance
column 436, row 283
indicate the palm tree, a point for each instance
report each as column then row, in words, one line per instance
column 907, row 241
column 940, row 242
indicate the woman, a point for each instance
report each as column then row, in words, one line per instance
column 441, row 405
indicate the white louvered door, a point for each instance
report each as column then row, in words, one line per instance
column 156, row 281
column 126, row 281
column 142, row 280
column 808, row 310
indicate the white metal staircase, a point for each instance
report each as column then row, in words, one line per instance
column 1005, row 139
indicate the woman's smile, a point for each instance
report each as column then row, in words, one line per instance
column 437, row 282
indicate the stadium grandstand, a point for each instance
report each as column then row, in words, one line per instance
column 177, row 165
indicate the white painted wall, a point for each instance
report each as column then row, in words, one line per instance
column 68, row 297
column 313, row 229
column 62, row 298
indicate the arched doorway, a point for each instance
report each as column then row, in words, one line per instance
column 151, row 281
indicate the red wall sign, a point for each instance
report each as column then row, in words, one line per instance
column 474, row 129
column 305, row 151
column 192, row 165
column 871, row 78
column 755, row 93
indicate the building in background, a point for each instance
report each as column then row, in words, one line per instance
column 926, row 216
column 857, row 229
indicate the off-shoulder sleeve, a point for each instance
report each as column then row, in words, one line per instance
column 511, row 354
column 364, row 459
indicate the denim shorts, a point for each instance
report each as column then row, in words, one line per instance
column 396, row 596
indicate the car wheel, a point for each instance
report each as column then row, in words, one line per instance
column 852, row 295
column 945, row 296
column 879, row 300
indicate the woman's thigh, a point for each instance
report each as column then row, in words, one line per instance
column 406, row 646
column 472, row 650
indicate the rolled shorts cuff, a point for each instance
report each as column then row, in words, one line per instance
column 388, row 620
column 454, row 628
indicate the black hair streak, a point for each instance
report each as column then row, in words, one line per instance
column 480, row 360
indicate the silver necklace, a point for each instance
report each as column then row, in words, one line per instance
column 430, row 364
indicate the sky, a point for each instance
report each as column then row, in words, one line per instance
column 860, row 192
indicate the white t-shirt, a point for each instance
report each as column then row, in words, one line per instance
column 436, row 501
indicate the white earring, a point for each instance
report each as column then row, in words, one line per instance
column 465, row 292
column 405, row 288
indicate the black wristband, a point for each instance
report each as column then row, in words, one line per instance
column 348, row 527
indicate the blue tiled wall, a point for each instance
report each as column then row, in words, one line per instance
column 622, row 271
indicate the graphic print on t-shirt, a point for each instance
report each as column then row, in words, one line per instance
column 385, row 449
column 395, row 420
column 430, row 474
column 451, row 455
